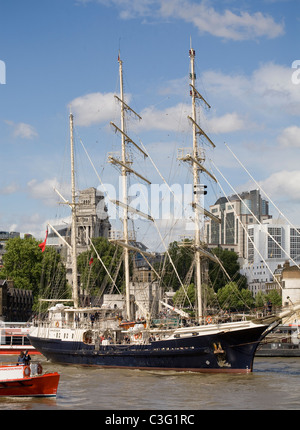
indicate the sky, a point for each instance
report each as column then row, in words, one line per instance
column 62, row 56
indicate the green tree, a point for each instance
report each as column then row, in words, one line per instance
column 274, row 297
column 22, row 263
column 232, row 298
column 93, row 276
column 53, row 283
column 184, row 297
column 259, row 299
column 32, row 269
column 229, row 260
column 262, row 299
column 182, row 258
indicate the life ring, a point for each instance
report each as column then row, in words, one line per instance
column 39, row 369
column 57, row 324
column 26, row 372
column 209, row 319
column 138, row 336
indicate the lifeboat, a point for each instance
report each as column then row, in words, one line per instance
column 27, row 381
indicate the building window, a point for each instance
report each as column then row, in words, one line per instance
column 294, row 243
column 229, row 230
column 274, row 251
column 250, row 244
column 215, row 232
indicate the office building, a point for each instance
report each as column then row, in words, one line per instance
column 229, row 234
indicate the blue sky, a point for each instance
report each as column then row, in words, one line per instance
column 64, row 53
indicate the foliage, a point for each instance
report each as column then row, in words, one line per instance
column 53, row 277
column 23, row 263
column 229, row 260
column 32, row 269
column 182, row 258
column 184, row 296
column 232, row 298
column 259, row 299
column 93, row 275
column 274, row 297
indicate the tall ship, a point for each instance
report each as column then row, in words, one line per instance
column 67, row 335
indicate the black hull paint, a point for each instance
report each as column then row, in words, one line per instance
column 194, row 353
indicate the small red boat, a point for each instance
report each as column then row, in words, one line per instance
column 27, row 381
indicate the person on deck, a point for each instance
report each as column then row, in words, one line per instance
column 21, row 358
column 27, row 358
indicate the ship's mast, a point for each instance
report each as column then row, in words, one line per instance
column 126, row 168
column 195, row 156
column 125, row 194
column 73, row 234
column 196, row 189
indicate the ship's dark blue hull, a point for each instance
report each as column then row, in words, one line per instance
column 223, row 352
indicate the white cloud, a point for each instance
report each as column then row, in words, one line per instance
column 44, row 190
column 9, row 189
column 274, row 83
column 23, row 130
column 33, row 224
column 225, row 24
column 172, row 118
column 96, row 108
column 290, row 137
column 284, row 183
column 268, row 89
column 227, row 123
column 93, row 108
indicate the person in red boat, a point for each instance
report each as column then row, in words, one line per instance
column 21, row 358
column 27, row 358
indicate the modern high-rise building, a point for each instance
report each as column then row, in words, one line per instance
column 264, row 245
column 228, row 233
column 270, row 245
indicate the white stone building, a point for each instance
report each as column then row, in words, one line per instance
column 269, row 246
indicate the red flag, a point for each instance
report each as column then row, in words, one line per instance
column 91, row 261
column 43, row 244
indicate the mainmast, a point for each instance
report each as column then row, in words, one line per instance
column 125, row 194
column 196, row 157
column 73, row 234
column 126, row 168
column 196, row 189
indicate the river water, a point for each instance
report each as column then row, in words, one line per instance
column 274, row 384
